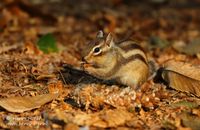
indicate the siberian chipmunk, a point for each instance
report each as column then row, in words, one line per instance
column 125, row 62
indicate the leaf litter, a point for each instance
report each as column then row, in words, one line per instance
column 27, row 73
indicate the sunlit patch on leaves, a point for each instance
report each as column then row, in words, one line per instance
column 182, row 76
column 47, row 43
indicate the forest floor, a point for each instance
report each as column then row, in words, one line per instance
column 26, row 70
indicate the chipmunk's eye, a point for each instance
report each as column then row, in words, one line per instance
column 97, row 50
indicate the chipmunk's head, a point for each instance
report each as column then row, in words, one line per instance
column 102, row 55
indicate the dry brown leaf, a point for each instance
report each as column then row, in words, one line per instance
column 104, row 119
column 56, row 87
column 21, row 104
column 112, row 20
column 190, row 121
column 45, row 76
column 86, row 119
column 46, row 29
column 71, row 126
column 192, row 48
column 116, row 117
column 182, row 76
column 31, row 48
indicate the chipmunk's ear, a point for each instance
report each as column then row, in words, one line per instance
column 100, row 34
column 109, row 40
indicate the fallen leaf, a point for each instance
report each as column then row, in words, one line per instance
column 185, row 104
column 112, row 20
column 86, row 119
column 192, row 48
column 157, row 42
column 21, row 104
column 182, row 76
column 71, row 126
column 31, row 48
column 190, row 121
column 45, row 76
column 104, row 119
column 116, row 117
column 46, row 29
column 56, row 87
column 168, row 125
column 47, row 43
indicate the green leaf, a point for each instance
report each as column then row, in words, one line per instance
column 47, row 43
column 157, row 42
column 185, row 104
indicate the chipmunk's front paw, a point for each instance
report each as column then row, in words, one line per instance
column 87, row 67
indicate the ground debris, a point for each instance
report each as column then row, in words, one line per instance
column 167, row 30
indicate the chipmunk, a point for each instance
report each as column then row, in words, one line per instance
column 125, row 62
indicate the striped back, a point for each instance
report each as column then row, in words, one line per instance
column 132, row 51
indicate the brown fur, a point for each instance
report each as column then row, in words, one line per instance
column 126, row 63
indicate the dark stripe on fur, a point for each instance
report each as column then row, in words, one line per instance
column 135, row 57
column 122, row 61
column 131, row 46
